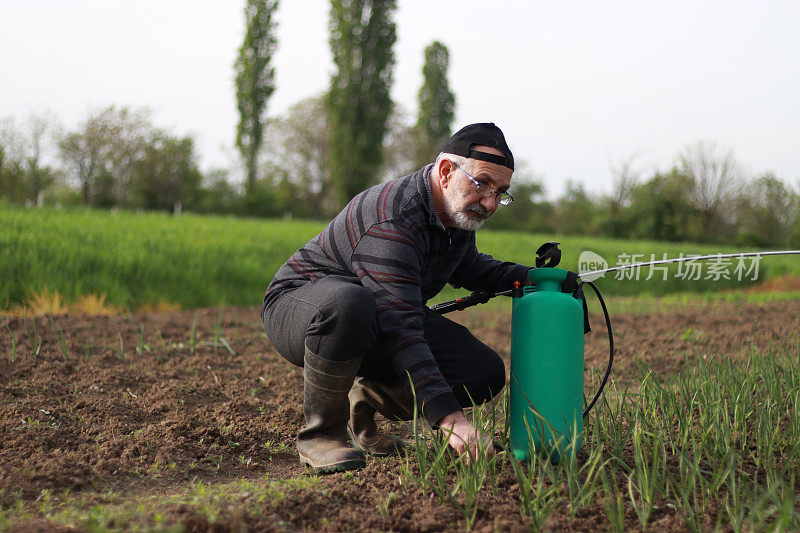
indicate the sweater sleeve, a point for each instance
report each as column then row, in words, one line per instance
column 388, row 260
column 478, row 271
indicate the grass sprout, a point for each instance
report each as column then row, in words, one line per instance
column 13, row 342
column 34, row 338
column 62, row 344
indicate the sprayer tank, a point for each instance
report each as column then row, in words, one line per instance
column 546, row 368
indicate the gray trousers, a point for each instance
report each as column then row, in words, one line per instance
column 336, row 318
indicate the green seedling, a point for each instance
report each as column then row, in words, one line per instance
column 273, row 447
column 538, row 496
column 141, row 345
column 193, row 335
column 163, row 344
column 62, row 345
column 386, row 503
column 121, row 350
column 613, row 501
column 34, row 339
column 86, row 350
column 13, row 342
column 649, row 473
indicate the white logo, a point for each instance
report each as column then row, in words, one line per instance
column 590, row 262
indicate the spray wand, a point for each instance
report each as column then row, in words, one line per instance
column 549, row 255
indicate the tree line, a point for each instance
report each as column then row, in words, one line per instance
column 310, row 160
column 118, row 157
column 704, row 196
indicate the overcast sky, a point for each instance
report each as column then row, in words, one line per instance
column 574, row 85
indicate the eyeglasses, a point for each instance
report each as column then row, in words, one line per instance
column 486, row 190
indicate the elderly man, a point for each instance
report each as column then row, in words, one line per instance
column 351, row 303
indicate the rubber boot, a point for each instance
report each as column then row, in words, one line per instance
column 391, row 399
column 323, row 443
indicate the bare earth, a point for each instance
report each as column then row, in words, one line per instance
column 138, row 405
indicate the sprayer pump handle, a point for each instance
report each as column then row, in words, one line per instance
column 548, row 255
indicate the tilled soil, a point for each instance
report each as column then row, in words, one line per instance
column 146, row 404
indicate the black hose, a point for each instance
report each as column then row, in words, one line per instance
column 610, row 345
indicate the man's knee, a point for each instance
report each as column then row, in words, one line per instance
column 355, row 305
column 345, row 325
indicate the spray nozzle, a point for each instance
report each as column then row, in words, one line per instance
column 548, row 255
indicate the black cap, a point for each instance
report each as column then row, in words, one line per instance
column 480, row 134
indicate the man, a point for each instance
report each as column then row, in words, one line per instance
column 351, row 303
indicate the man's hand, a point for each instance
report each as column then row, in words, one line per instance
column 463, row 437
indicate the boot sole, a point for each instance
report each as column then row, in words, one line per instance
column 344, row 466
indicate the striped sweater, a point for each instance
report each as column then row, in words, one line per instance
column 391, row 238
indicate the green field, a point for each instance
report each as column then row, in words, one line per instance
column 197, row 261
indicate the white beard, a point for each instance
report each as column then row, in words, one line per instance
column 460, row 217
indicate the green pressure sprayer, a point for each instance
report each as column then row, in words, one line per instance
column 549, row 320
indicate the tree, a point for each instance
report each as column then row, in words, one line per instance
column 86, row 152
column 132, row 130
column 399, row 145
column 661, row 208
column 766, row 211
column 624, row 178
column 166, row 176
column 41, row 132
column 216, row 193
column 575, row 213
column 254, row 80
column 436, row 104
column 530, row 210
column 103, row 152
column 12, row 179
column 362, row 38
column 12, row 172
column 716, row 178
column 26, row 156
column 299, row 152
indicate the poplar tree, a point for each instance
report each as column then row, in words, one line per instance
column 436, row 104
column 254, row 80
column 362, row 39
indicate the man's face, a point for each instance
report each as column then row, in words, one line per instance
column 466, row 209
